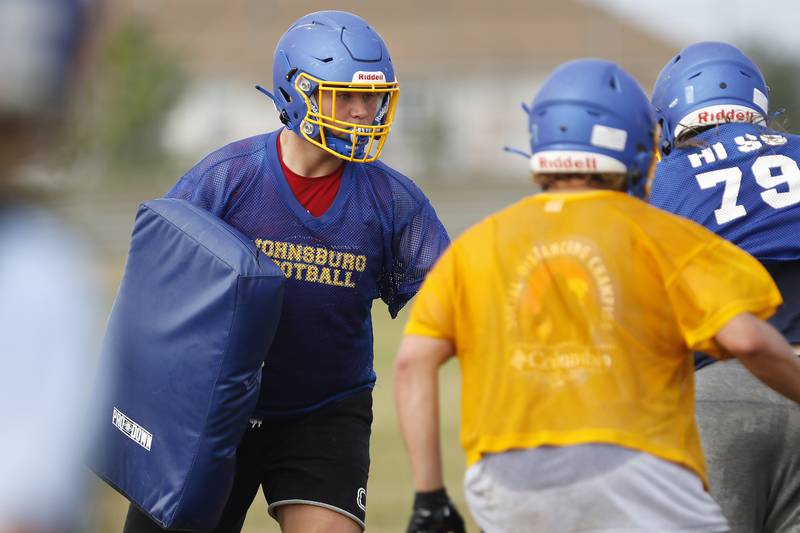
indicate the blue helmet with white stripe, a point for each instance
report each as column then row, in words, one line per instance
column 705, row 84
column 325, row 54
column 590, row 116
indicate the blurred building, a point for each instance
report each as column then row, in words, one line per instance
column 464, row 67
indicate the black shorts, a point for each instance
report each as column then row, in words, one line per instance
column 321, row 458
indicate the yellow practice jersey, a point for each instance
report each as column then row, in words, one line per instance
column 573, row 316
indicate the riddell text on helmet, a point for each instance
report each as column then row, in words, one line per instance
column 726, row 115
column 369, row 77
column 567, row 163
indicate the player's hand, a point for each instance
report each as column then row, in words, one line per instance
column 435, row 513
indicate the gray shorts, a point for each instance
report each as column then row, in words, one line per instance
column 751, row 439
column 588, row 488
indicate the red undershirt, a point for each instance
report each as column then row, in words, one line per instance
column 315, row 194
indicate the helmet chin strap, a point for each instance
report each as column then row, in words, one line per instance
column 284, row 116
column 269, row 94
column 517, row 151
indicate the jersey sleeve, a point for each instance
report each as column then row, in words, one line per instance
column 716, row 282
column 418, row 239
column 216, row 181
column 433, row 312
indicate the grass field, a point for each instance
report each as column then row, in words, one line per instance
column 389, row 490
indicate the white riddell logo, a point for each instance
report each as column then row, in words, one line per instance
column 727, row 115
column 567, row 162
column 134, row 431
column 718, row 114
column 369, row 77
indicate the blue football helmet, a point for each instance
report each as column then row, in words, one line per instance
column 40, row 42
column 590, row 116
column 705, row 84
column 321, row 56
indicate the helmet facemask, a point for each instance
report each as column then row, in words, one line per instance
column 347, row 140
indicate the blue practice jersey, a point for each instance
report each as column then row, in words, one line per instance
column 378, row 239
column 742, row 181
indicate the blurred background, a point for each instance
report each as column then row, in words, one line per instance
column 166, row 81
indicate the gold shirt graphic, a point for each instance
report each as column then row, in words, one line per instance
column 314, row 264
column 561, row 312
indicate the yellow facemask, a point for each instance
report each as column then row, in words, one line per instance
column 350, row 141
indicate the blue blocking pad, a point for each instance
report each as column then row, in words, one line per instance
column 189, row 330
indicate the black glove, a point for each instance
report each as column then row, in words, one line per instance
column 435, row 513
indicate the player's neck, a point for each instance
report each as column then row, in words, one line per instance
column 305, row 159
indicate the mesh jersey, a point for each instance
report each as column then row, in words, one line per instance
column 378, row 239
column 743, row 183
column 574, row 315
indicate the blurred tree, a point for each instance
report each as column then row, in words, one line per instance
column 139, row 83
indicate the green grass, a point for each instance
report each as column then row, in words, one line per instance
column 389, row 490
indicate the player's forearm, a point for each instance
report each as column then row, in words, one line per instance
column 417, row 403
column 783, row 377
column 778, row 368
column 764, row 352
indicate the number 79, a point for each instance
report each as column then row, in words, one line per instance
column 732, row 177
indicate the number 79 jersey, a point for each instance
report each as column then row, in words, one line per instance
column 742, row 182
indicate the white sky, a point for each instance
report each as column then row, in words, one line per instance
column 773, row 24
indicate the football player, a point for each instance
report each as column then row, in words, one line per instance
column 724, row 167
column 573, row 315
column 346, row 229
